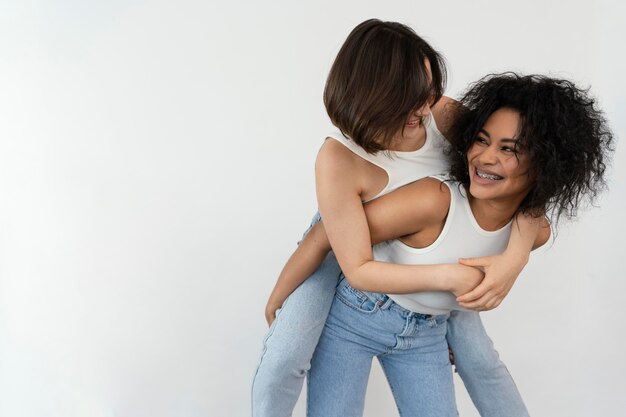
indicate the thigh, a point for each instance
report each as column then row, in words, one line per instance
column 340, row 367
column 420, row 374
column 292, row 338
column 484, row 375
column 468, row 338
column 299, row 322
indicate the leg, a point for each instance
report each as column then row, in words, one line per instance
column 291, row 341
column 418, row 369
column 341, row 365
column 485, row 376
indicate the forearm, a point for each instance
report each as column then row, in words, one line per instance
column 303, row 262
column 523, row 236
column 390, row 278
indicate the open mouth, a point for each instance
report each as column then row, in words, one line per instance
column 413, row 123
column 488, row 176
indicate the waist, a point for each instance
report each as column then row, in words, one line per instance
column 371, row 300
column 431, row 302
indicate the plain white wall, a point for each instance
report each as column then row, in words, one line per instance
column 156, row 170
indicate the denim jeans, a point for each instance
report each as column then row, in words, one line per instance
column 485, row 376
column 411, row 348
column 291, row 340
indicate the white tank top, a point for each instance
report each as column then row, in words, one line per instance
column 461, row 236
column 405, row 167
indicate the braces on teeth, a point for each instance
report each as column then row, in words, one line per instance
column 488, row 176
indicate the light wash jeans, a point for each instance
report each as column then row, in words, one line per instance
column 411, row 348
column 291, row 340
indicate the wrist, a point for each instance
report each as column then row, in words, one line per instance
column 446, row 278
column 272, row 305
column 517, row 257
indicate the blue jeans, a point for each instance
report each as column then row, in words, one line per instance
column 291, row 340
column 484, row 375
column 411, row 348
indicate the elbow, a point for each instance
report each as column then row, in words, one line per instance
column 357, row 282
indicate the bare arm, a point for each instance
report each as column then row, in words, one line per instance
column 407, row 210
column 395, row 215
column 301, row 264
column 339, row 183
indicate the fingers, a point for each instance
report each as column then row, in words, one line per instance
column 475, row 294
column 488, row 302
column 481, row 262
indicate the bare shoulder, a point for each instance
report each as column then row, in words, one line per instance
column 334, row 156
column 444, row 113
column 431, row 196
column 544, row 233
column 436, row 192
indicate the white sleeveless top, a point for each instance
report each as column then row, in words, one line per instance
column 461, row 236
column 405, row 167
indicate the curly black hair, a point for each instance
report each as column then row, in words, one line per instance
column 563, row 132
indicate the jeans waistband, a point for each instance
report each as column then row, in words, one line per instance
column 383, row 301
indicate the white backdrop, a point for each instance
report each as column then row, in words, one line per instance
column 156, row 170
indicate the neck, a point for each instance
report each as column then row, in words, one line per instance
column 409, row 144
column 492, row 215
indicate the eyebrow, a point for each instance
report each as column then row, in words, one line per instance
column 483, row 131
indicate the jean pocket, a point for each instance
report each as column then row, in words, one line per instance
column 355, row 299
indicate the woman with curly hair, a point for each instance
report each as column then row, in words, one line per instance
column 520, row 144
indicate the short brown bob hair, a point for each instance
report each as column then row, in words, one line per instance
column 378, row 79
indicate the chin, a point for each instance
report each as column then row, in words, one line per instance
column 482, row 193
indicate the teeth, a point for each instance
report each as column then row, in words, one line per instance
column 488, row 176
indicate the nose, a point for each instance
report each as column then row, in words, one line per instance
column 423, row 111
column 488, row 155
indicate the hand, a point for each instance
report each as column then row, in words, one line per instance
column 270, row 311
column 462, row 279
column 501, row 271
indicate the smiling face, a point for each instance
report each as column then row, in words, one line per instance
column 413, row 134
column 498, row 168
